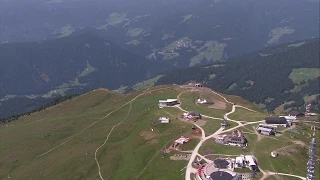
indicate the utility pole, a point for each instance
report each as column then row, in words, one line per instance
column 42, row 132
column 10, row 156
column 90, row 138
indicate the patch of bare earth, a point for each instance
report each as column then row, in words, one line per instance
column 201, row 122
column 218, row 105
column 259, row 136
column 287, row 151
column 300, row 143
column 147, row 135
column 153, row 141
column 177, row 157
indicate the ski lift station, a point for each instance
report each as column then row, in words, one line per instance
column 167, row 103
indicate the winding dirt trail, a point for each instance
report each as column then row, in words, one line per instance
column 105, row 141
column 71, row 137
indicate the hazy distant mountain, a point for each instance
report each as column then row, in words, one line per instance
column 181, row 32
column 70, row 63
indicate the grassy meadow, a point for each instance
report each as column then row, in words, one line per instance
column 60, row 142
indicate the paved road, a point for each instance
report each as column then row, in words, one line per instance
column 283, row 174
column 195, row 153
column 190, row 169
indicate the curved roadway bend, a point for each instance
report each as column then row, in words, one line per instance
column 189, row 168
column 283, row 174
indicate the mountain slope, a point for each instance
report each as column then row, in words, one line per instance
column 266, row 77
column 71, row 63
column 103, row 134
column 180, row 32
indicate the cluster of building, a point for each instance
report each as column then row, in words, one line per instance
column 199, row 101
column 193, row 116
column 245, row 161
column 181, row 43
column 235, row 139
column 270, row 124
column 223, row 169
column 176, row 145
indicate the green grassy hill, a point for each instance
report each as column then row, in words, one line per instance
column 67, row 141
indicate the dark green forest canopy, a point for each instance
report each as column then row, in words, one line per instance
column 259, row 76
column 81, row 61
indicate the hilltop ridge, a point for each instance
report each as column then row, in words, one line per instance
column 104, row 134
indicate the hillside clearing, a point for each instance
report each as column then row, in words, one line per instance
column 303, row 74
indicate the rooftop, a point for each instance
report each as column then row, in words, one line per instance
column 295, row 113
column 221, row 175
column 194, row 113
column 168, row 101
column 264, row 129
column 276, row 120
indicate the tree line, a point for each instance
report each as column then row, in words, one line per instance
column 262, row 79
column 50, row 104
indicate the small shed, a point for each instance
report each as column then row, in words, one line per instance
column 274, row 154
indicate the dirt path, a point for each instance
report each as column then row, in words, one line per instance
column 68, row 139
column 178, row 97
column 258, row 135
column 105, row 141
column 291, row 127
column 33, row 122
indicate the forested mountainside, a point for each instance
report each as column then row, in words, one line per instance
column 180, row 32
column 277, row 78
column 71, row 63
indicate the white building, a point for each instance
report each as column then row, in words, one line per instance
column 245, row 161
column 201, row 102
column 289, row 117
column 182, row 140
column 164, row 120
column 168, row 102
column 274, row 154
column 265, row 131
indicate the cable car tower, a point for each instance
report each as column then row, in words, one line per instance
column 308, row 107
